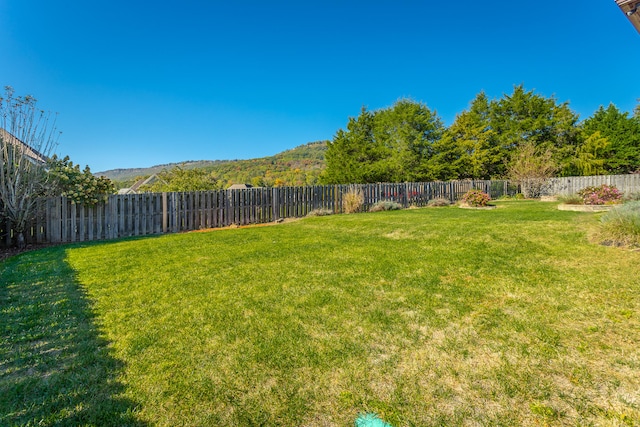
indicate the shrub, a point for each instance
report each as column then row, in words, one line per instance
column 601, row 195
column 621, row 225
column 352, row 200
column 320, row 212
column 440, row 201
column 385, row 205
column 632, row 197
column 519, row 196
column 571, row 199
column 81, row 187
column 476, row 198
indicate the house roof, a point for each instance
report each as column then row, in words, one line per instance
column 631, row 9
column 239, row 186
column 145, row 181
column 139, row 183
column 28, row 151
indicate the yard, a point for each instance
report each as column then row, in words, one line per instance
column 426, row 317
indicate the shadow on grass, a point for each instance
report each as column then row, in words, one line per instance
column 55, row 369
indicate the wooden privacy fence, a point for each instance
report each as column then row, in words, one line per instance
column 572, row 184
column 61, row 221
column 58, row 220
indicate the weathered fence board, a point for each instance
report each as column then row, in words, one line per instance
column 60, row 221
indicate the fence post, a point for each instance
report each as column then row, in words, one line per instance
column 405, row 199
column 165, row 214
column 274, row 204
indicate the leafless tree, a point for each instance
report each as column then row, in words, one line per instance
column 532, row 167
column 27, row 138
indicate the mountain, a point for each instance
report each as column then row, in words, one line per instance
column 298, row 166
column 118, row 175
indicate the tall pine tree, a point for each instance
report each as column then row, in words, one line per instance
column 388, row 145
column 622, row 153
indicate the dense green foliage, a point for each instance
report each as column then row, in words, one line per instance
column 469, row 148
column 619, row 139
column 427, row 317
column 389, row 145
column 407, row 142
column 527, row 118
column 80, row 186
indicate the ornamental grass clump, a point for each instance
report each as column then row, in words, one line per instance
column 352, row 200
column 385, row 205
column 320, row 212
column 621, row 225
column 476, row 198
column 631, row 197
column 601, row 195
column 439, row 202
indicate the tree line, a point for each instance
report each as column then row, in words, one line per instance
column 520, row 134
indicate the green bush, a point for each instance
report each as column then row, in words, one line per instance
column 385, row 205
column 621, row 225
column 81, row 187
column 476, row 198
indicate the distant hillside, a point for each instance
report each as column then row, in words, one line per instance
column 132, row 173
column 298, row 166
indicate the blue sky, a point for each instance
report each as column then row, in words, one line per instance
column 140, row 83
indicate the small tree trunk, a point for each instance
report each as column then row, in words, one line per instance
column 20, row 242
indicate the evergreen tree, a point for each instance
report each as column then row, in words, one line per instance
column 589, row 157
column 388, row 145
column 469, row 147
column 351, row 153
column 407, row 133
column 622, row 154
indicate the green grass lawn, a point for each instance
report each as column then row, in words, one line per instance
column 427, row 317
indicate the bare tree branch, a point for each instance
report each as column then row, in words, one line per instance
column 27, row 138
